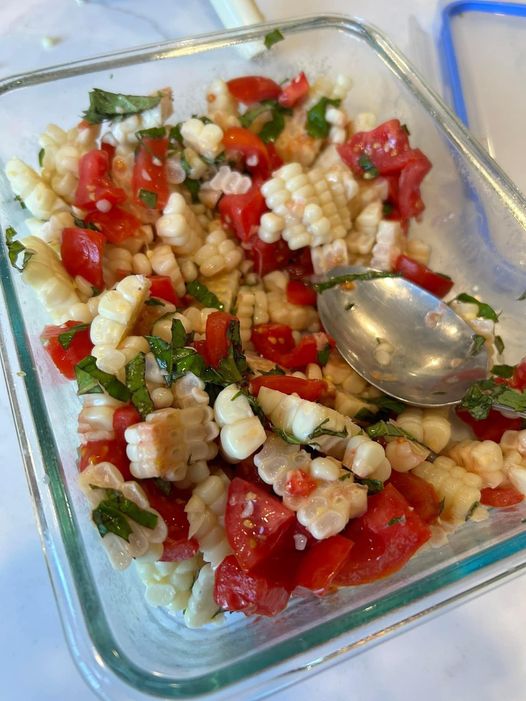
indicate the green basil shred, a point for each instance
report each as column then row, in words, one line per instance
column 202, row 294
column 113, row 512
column 15, row 249
column 108, row 106
column 351, row 277
column 148, row 198
column 484, row 310
column 317, row 124
column 65, row 339
column 136, row 383
column 273, row 37
column 91, row 380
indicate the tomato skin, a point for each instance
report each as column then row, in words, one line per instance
column 410, row 203
column 500, row 497
column 217, row 343
column 439, row 285
column 321, row 563
column 123, row 417
column 95, row 184
column 253, row 88
column 254, row 538
column 518, row 380
column 267, row 257
column 242, row 213
column 149, row 171
column 303, row 354
column 117, row 225
column 247, row 470
column 300, row 293
column 113, row 451
column 275, row 160
column 418, row 493
column 202, row 348
column 272, row 341
column 294, row 91
column 162, row 287
column 306, row 389
column 177, row 545
column 379, row 548
column 65, row 359
column 253, row 594
column 81, row 251
column 299, row 265
column 491, row 428
column 251, row 147
column 300, row 483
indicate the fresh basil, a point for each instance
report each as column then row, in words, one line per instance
column 20, row 201
column 505, row 371
column 499, row 344
column 387, row 208
column 152, row 133
column 136, row 383
column 112, row 513
column 370, row 171
column 320, row 430
column 273, row 37
column 274, row 126
column 65, row 339
column 482, row 395
column 471, row 510
column 351, row 277
column 522, row 297
column 287, row 437
column 317, row 124
column 276, row 370
column 91, row 380
column 110, row 106
column 41, row 155
column 15, row 249
column 396, row 519
column 202, row 294
column 81, row 224
column 484, row 310
column 154, row 302
column 373, row 486
column 477, row 344
column 323, row 355
column 385, row 428
column 193, row 187
column 175, row 138
column 388, row 404
column 148, row 198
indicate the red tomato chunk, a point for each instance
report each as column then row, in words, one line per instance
column 322, row 562
column 95, row 190
column 217, row 343
column 149, row 179
column 436, row 283
column 81, row 252
column 162, row 287
column 306, row 389
column 238, row 140
column 500, row 497
column 117, row 225
column 123, row 417
column 113, row 451
column 294, row 91
column 65, row 359
column 491, row 428
column 300, row 293
column 419, row 494
column 253, row 88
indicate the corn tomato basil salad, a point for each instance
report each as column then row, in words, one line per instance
column 226, row 448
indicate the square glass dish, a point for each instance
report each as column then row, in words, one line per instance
column 475, row 220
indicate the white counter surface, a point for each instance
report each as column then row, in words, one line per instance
column 474, row 651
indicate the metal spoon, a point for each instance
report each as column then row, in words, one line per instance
column 434, row 358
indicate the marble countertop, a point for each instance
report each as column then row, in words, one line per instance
column 473, row 651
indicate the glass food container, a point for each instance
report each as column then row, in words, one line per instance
column 475, row 220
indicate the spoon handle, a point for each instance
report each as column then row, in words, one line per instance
column 509, row 412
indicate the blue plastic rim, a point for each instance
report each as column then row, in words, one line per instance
column 448, row 55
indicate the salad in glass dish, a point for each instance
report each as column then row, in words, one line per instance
column 225, row 447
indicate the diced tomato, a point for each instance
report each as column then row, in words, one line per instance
column 177, row 545
column 304, row 353
column 253, row 88
column 217, row 343
column 202, row 348
column 149, row 178
column 300, row 483
column 288, row 384
column 419, row 494
column 275, row 159
column 500, row 497
column 123, row 417
column 410, row 203
column 162, row 287
column 321, row 563
column 267, row 257
column 95, row 189
column 436, row 283
column 247, row 470
column 518, row 380
column 491, row 428
column 299, row 265
column 294, row 91
column 272, row 341
column 65, row 359
column 300, row 293
column 242, row 213
column 109, row 149
column 81, row 252
column 255, row 523
column 117, row 225
column 384, row 538
column 253, row 594
column 113, row 451
column 251, row 147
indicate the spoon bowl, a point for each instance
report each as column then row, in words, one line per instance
column 402, row 339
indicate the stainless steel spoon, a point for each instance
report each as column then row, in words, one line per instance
column 434, row 358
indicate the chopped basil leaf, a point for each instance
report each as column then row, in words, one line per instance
column 323, row 355
column 109, row 519
column 274, row 126
column 41, row 155
column 202, row 294
column 364, row 415
column 384, row 428
column 505, row 371
column 148, row 198
column 15, row 249
column 67, row 337
column 387, row 208
column 91, row 380
column 321, row 431
column 484, row 310
column 342, row 279
column 276, row 370
column 20, row 201
column 441, row 505
column 405, row 128
column 152, row 133
column 253, row 113
column 136, row 383
column 481, row 396
column 396, row 519
column 499, row 344
column 110, row 106
column 193, row 187
column 163, row 486
column 287, row 437
column 154, row 302
column 317, row 124
column 175, row 136
column 522, row 297
column 173, row 359
column 202, row 118
column 370, row 171
column 95, row 291
column 388, row 403
column 373, row 486
column 477, row 344
column 272, row 38
column 471, row 510
column 81, row 224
